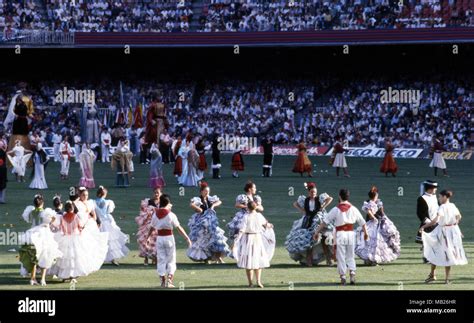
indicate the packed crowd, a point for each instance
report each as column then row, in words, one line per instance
column 341, row 14
column 288, row 110
column 356, row 112
column 231, row 15
column 119, row 16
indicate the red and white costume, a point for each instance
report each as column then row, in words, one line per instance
column 343, row 217
column 66, row 153
column 164, row 221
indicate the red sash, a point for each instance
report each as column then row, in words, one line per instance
column 165, row 232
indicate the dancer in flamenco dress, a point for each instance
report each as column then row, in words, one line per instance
column 208, row 239
column 156, row 168
column 383, row 245
column 237, row 222
column 43, row 250
column 299, row 242
column 86, row 213
column 117, row 239
column 147, row 240
column 79, row 250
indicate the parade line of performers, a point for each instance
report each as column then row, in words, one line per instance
column 75, row 238
column 189, row 157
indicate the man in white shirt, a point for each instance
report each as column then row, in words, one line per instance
column 77, row 145
column 66, row 152
column 57, row 138
column 343, row 217
column 105, row 141
column 165, row 221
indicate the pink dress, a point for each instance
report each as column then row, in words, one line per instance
column 146, row 244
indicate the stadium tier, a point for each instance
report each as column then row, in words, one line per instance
column 211, row 23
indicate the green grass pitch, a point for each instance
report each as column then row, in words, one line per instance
column 398, row 194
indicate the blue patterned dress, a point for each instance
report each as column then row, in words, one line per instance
column 208, row 239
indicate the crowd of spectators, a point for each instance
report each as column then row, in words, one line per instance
column 231, row 15
column 290, row 110
column 295, row 15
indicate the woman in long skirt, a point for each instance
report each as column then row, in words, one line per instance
column 146, row 238
column 338, row 159
column 79, row 251
column 383, row 245
column 117, row 239
column 302, row 163
column 31, row 215
column 299, row 242
column 388, row 164
column 249, row 247
column 190, row 160
column 91, row 222
column 156, row 168
column 208, row 239
column 40, row 160
column 86, row 162
column 236, row 224
column 43, row 250
column 443, row 246
column 19, row 157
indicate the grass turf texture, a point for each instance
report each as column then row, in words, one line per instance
column 284, row 274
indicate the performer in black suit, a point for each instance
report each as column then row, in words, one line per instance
column 426, row 207
column 216, row 157
column 267, row 145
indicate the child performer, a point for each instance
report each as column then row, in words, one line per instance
column 40, row 249
column 443, row 246
column 117, row 239
column 165, row 221
column 249, row 249
column 344, row 216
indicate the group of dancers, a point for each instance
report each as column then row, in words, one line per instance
column 73, row 239
column 250, row 240
column 303, row 164
column 76, row 240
